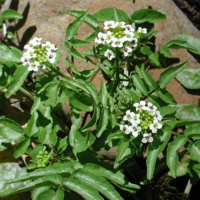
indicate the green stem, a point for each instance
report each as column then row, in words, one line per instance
column 187, row 190
column 26, row 93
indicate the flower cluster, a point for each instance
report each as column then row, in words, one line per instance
column 38, row 55
column 119, row 35
column 43, row 158
column 145, row 120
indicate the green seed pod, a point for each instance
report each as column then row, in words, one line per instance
column 39, row 156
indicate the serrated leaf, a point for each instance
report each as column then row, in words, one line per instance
column 82, row 189
column 147, row 15
column 172, row 157
column 98, row 183
column 114, row 14
column 10, row 14
column 51, row 195
column 73, row 27
column 170, row 73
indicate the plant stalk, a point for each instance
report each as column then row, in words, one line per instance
column 24, row 91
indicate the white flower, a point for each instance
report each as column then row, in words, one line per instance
column 129, row 115
column 126, row 51
column 35, row 41
column 140, row 105
column 34, row 66
column 109, row 54
column 134, row 42
column 51, row 56
column 151, row 106
column 117, row 42
column 49, row 46
column 24, row 60
column 109, row 24
column 147, row 138
column 142, row 30
column 158, row 116
column 29, row 54
column 109, row 37
column 125, row 129
column 129, row 36
column 129, row 28
column 121, row 24
column 155, row 126
column 135, row 119
column 135, row 129
column 101, row 39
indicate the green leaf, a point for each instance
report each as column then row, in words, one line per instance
column 148, row 79
column 9, row 54
column 79, row 43
column 155, row 148
column 63, row 144
column 8, row 172
column 72, row 133
column 154, row 59
column 51, row 195
column 114, row 14
column 11, row 14
column 82, row 189
column 97, row 183
column 21, row 147
column 169, row 74
column 188, row 112
column 103, row 94
column 188, row 42
column 166, row 111
column 172, row 157
column 165, row 51
column 192, row 131
column 77, row 55
column 140, row 85
column 92, row 122
column 17, row 81
column 55, row 169
column 91, row 89
column 73, row 27
column 83, row 140
column 147, row 15
column 115, row 177
column 89, row 19
column 115, row 136
column 192, row 76
column 10, row 130
column 195, row 152
column 103, row 122
column 4, row 144
column 125, row 151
